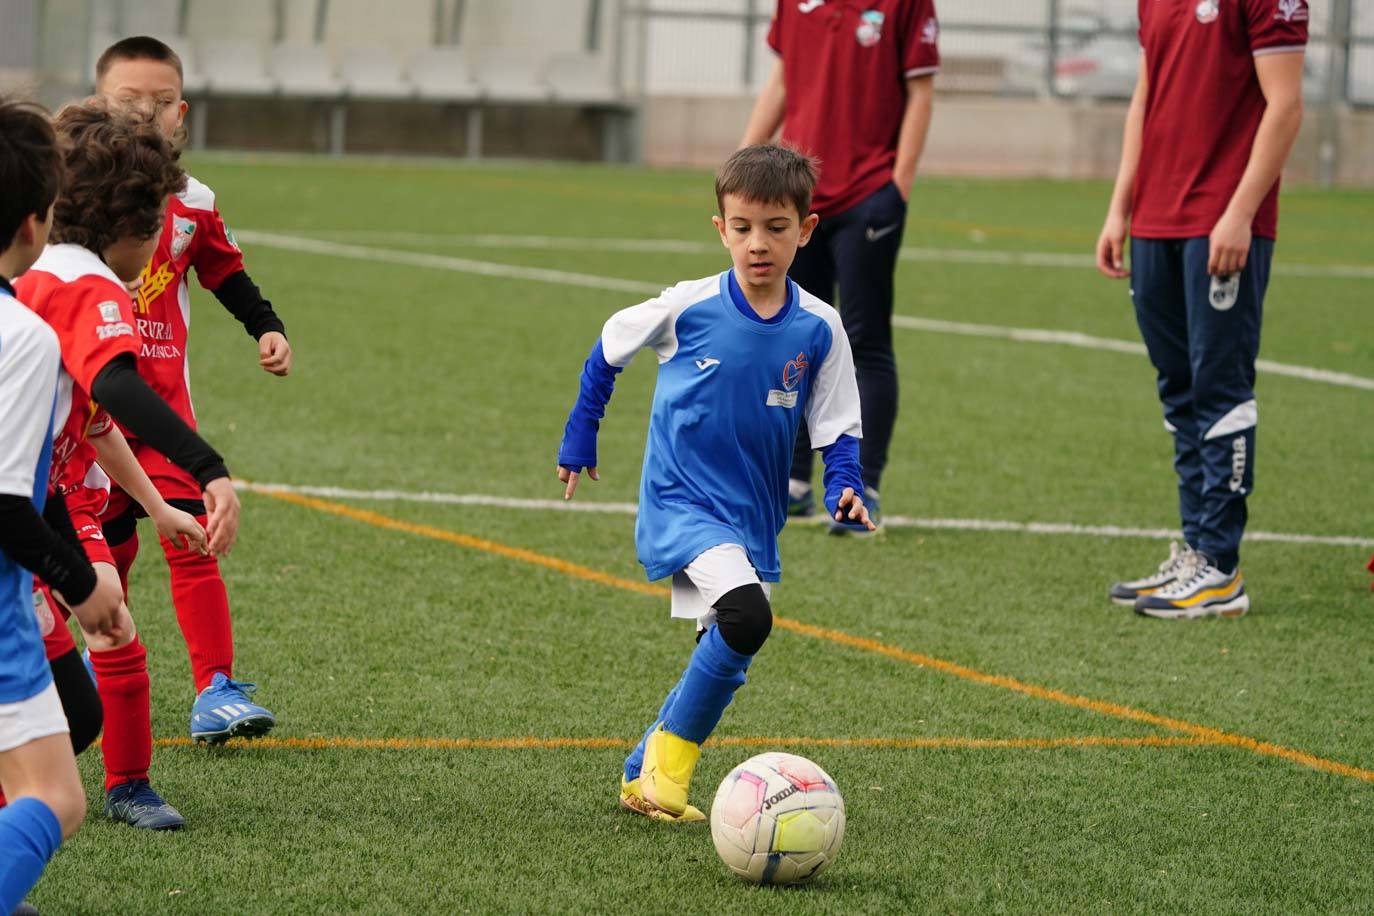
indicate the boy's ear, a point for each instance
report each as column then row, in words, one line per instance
column 808, row 226
column 720, row 227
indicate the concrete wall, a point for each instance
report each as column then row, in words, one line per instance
column 985, row 136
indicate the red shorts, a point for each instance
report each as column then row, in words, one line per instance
column 84, row 506
column 171, row 481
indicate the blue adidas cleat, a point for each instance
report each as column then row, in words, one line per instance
column 856, row 530
column 137, row 804
column 223, row 711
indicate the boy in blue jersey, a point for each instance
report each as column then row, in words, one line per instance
column 743, row 356
column 37, row 765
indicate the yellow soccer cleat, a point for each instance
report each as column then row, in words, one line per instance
column 632, row 799
column 667, row 771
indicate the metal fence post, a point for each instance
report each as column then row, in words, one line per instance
column 1336, row 92
column 748, row 62
column 1051, row 47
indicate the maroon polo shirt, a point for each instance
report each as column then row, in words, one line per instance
column 845, row 67
column 1204, row 108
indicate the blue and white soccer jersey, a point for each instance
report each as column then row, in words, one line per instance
column 29, row 359
column 732, row 389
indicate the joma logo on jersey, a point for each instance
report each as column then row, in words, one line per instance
column 154, row 284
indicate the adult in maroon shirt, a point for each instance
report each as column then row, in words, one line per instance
column 1214, row 115
column 852, row 86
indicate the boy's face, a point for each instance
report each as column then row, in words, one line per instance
column 147, row 85
column 763, row 238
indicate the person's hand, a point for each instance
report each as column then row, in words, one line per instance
column 181, row 528
column 100, row 612
column 222, row 516
column 1110, row 247
column 858, row 512
column 274, row 353
column 570, row 478
column 134, row 285
column 1228, row 247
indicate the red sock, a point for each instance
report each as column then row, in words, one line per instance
column 124, row 556
column 202, row 607
column 121, row 677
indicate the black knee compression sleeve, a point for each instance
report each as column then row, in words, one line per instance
column 80, row 702
column 744, row 618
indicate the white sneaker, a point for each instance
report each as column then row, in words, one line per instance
column 1125, row 593
column 1205, row 592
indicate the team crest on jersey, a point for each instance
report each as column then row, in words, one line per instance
column 1207, row 11
column 870, row 30
column 43, row 613
column 182, row 232
column 1292, row 11
column 930, row 32
column 793, row 371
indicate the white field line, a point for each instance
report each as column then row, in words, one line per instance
column 686, row 246
column 892, row 521
column 614, row 284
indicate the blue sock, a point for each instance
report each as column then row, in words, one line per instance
column 29, row 835
column 713, row 675
column 635, row 761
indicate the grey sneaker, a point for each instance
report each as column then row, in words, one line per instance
column 1178, row 565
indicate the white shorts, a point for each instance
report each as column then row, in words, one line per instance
column 28, row 720
column 710, row 576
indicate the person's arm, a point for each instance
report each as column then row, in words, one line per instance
column 766, row 117
column 241, row 297
column 118, row 461
column 844, row 483
column 1111, row 242
column 1280, row 79
column 911, row 141
column 126, row 396
column 649, row 324
column 32, row 543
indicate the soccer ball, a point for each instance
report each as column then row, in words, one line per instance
column 777, row 819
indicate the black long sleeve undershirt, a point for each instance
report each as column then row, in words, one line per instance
column 242, row 298
column 55, row 556
column 122, row 391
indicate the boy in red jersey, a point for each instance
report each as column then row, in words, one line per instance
column 1214, row 115
column 120, row 171
column 144, row 73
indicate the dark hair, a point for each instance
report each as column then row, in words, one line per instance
column 768, row 173
column 120, row 171
column 137, row 47
column 30, row 166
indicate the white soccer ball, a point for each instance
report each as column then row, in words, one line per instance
column 777, row 819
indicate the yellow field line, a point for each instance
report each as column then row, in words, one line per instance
column 1206, row 734
column 545, row 744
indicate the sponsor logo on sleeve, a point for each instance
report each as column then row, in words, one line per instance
column 43, row 613
column 807, row 6
column 870, row 30
column 229, row 235
column 1292, row 11
column 930, row 32
column 109, row 311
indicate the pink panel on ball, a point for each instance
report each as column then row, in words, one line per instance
column 801, row 772
column 744, row 800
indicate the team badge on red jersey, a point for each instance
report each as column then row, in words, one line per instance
column 870, row 30
column 182, row 232
column 1207, row 11
column 1292, row 11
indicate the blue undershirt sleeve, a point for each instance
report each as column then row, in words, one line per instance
column 578, row 448
column 841, row 470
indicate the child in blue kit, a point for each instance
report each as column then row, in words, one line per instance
column 743, row 356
